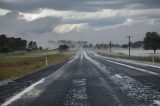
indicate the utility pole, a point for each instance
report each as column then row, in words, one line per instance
column 110, row 45
column 129, row 44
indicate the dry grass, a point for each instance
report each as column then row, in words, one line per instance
column 17, row 65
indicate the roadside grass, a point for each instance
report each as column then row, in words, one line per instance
column 21, row 64
column 137, row 58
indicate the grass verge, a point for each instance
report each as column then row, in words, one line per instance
column 12, row 66
column 137, row 58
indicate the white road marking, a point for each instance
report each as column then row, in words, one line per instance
column 139, row 69
column 118, row 76
column 133, row 62
column 70, row 61
column 31, row 91
column 130, row 86
column 19, row 95
column 102, row 68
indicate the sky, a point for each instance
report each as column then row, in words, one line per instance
column 95, row 21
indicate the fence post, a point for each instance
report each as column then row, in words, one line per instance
column 46, row 61
column 153, row 58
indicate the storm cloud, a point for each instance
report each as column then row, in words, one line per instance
column 92, row 20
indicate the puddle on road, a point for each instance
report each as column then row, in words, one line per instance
column 77, row 95
column 33, row 93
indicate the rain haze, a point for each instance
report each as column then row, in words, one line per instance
column 89, row 20
column 79, row 52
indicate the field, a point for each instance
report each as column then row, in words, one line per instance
column 136, row 54
column 22, row 63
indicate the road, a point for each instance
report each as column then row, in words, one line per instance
column 91, row 80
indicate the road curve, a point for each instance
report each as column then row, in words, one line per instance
column 91, row 80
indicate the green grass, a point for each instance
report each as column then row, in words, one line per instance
column 21, row 64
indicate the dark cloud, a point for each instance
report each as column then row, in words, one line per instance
column 107, row 21
column 41, row 29
column 11, row 23
column 77, row 5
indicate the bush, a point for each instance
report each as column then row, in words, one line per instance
column 5, row 50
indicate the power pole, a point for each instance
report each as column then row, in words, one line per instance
column 110, row 45
column 129, row 44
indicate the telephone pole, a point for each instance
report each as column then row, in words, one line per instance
column 129, row 44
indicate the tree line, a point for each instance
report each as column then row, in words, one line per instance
column 151, row 42
column 137, row 44
column 10, row 44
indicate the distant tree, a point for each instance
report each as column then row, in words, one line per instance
column 32, row 46
column 137, row 44
column 152, row 41
column 63, row 48
column 105, row 46
column 97, row 46
column 85, row 46
column 35, row 46
column 5, row 49
column 90, row 45
column 115, row 45
column 124, row 46
column 3, row 40
column 40, row 48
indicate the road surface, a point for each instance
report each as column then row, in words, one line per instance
column 91, row 80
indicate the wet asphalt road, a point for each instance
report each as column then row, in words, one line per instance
column 89, row 80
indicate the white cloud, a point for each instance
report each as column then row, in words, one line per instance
column 69, row 27
column 101, row 14
column 3, row 11
column 128, row 21
column 95, row 19
column 74, row 15
column 41, row 13
column 72, row 20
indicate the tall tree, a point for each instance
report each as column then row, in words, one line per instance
column 32, row 46
column 152, row 41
